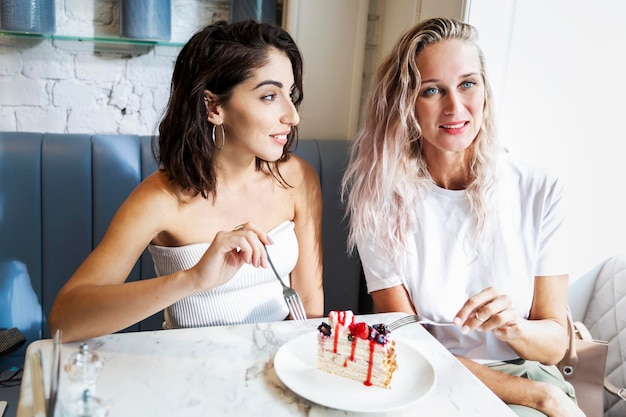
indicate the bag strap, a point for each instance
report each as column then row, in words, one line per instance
column 571, row 355
column 583, row 333
column 610, row 387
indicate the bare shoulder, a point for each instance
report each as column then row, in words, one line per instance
column 304, row 188
column 299, row 173
column 157, row 187
column 156, row 199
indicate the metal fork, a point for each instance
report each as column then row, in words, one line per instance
column 416, row 318
column 292, row 298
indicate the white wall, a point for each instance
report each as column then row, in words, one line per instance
column 331, row 35
column 398, row 15
column 561, row 105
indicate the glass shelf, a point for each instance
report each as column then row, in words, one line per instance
column 92, row 39
column 240, row 9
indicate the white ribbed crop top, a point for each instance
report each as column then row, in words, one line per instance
column 253, row 295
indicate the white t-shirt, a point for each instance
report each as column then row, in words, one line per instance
column 446, row 267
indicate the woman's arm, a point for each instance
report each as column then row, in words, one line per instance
column 392, row 299
column 511, row 389
column 547, row 342
column 306, row 278
column 97, row 300
column 542, row 338
column 541, row 396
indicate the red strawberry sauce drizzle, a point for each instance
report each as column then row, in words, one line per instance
column 341, row 321
column 368, row 381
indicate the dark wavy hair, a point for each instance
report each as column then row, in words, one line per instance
column 217, row 58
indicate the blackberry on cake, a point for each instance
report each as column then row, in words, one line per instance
column 356, row 350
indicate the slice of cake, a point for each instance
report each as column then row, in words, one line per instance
column 356, row 350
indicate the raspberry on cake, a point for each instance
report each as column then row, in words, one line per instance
column 356, row 350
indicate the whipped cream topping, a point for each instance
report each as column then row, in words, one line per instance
column 340, row 321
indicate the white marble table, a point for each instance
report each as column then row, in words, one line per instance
column 229, row 371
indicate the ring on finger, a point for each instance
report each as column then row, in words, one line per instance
column 240, row 227
column 478, row 318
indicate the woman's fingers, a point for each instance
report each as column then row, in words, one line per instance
column 228, row 252
column 486, row 310
column 252, row 248
column 470, row 309
column 260, row 233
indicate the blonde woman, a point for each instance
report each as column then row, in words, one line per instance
column 447, row 224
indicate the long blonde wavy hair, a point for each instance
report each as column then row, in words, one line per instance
column 387, row 174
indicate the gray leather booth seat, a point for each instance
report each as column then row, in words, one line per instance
column 58, row 193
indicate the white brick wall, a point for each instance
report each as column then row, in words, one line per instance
column 61, row 86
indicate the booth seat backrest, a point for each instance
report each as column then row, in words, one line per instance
column 59, row 192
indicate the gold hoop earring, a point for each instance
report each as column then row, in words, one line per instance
column 213, row 137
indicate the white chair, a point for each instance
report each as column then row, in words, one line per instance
column 598, row 299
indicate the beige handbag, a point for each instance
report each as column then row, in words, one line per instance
column 583, row 366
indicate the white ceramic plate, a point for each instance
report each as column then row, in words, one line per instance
column 295, row 364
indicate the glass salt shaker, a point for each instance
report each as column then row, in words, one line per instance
column 83, row 368
column 86, row 406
